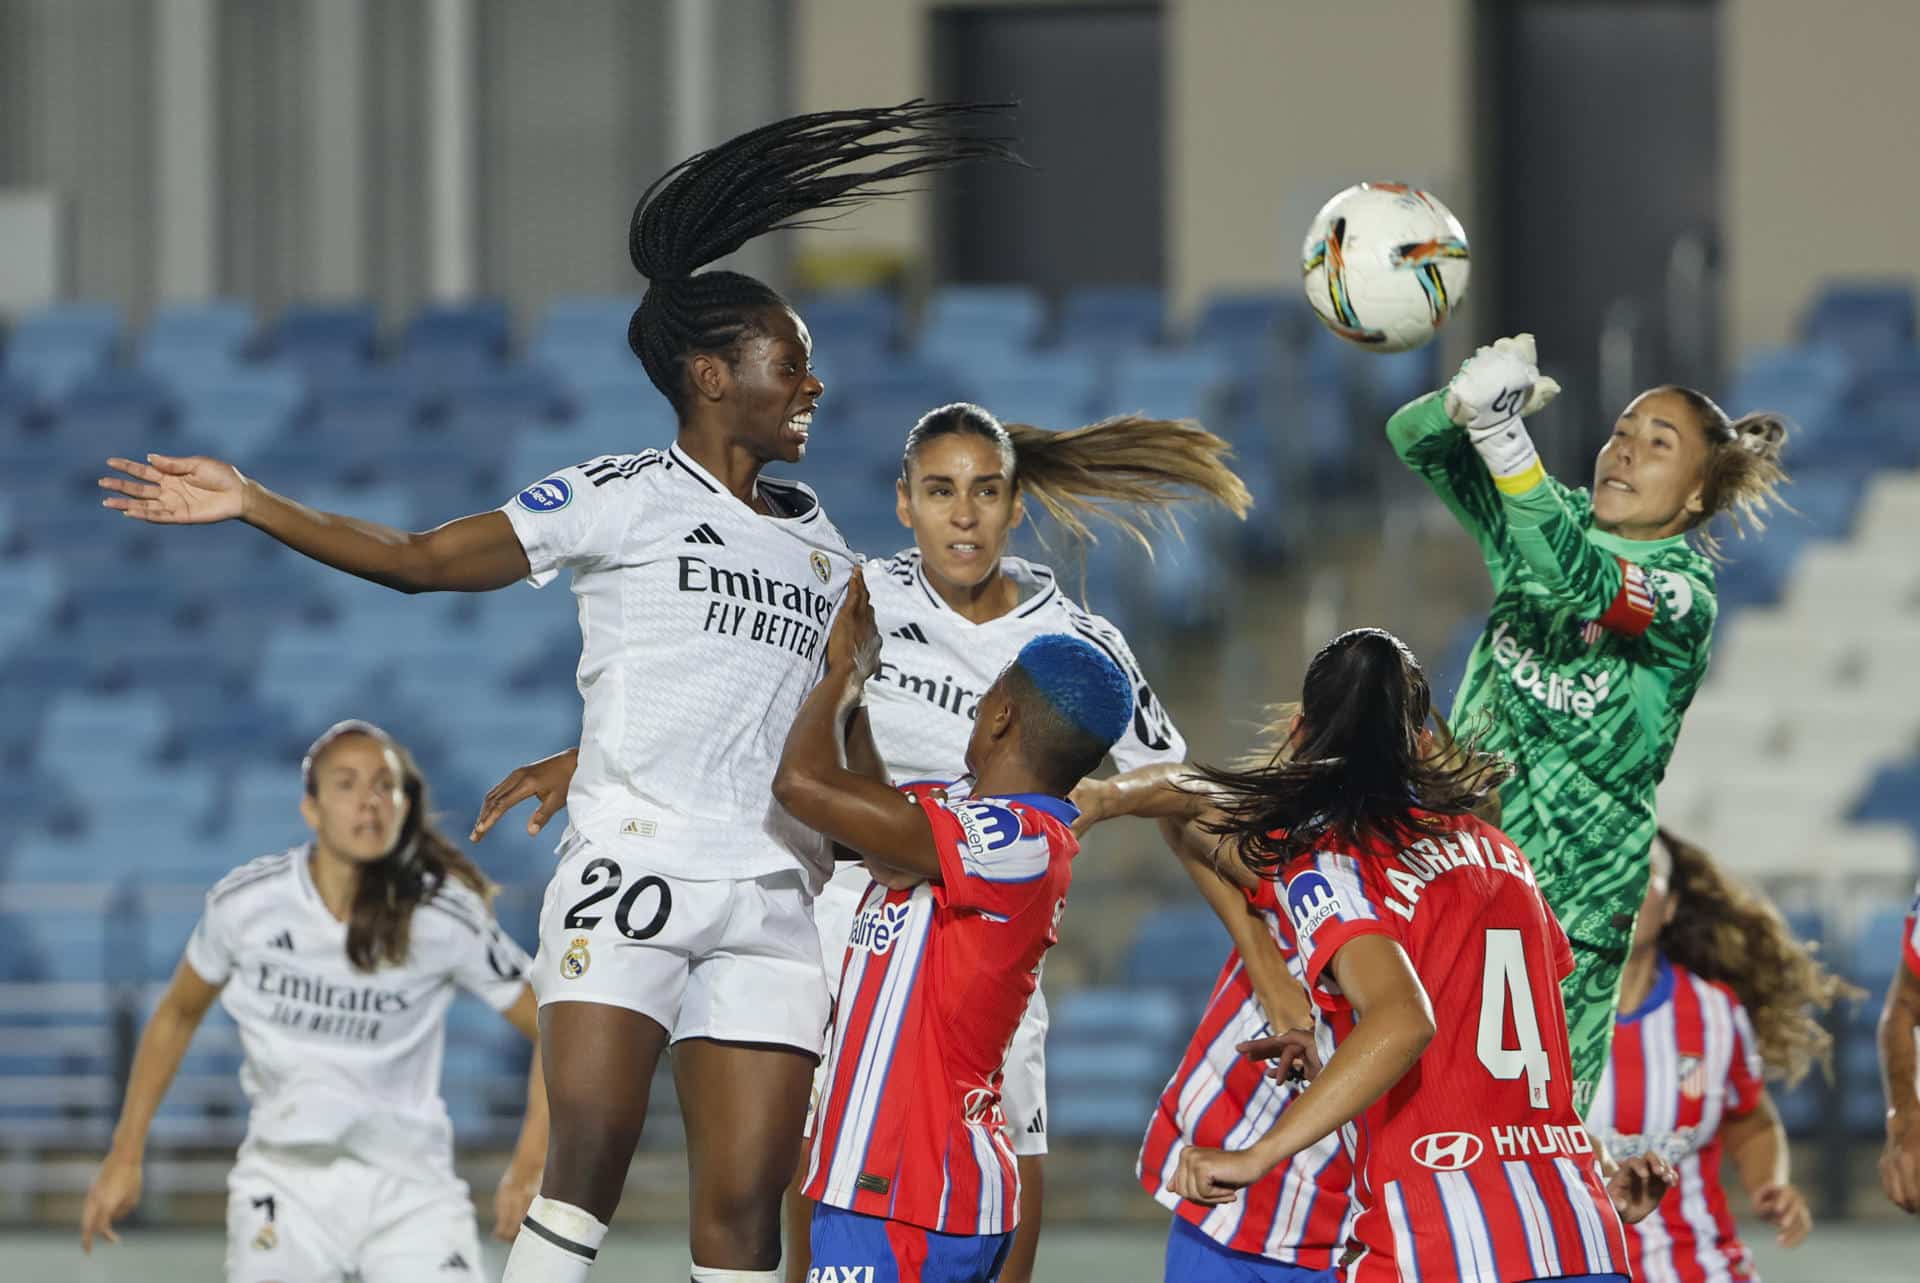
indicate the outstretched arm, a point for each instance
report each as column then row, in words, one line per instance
column 473, row 554
column 815, row 782
column 1438, row 450
column 1899, row 1022
column 163, row 1044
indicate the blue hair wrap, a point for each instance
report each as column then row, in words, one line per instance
column 1079, row 680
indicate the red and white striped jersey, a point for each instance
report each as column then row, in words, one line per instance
column 1300, row 1213
column 1683, row 1063
column 936, row 978
column 1474, row 1166
column 1911, row 951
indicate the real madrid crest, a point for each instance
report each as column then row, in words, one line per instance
column 266, row 1239
column 822, row 568
column 575, row 961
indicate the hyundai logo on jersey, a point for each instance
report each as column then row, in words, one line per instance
column 550, row 495
column 1310, row 902
column 1447, row 1151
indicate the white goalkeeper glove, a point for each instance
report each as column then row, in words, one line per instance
column 1494, row 389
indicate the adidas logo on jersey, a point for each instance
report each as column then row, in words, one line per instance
column 455, row 1262
column 282, row 941
column 1558, row 692
column 703, row 533
column 909, row 632
column 1037, row 1125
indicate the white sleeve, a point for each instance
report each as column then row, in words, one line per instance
column 491, row 967
column 1151, row 736
column 568, row 519
column 210, row 949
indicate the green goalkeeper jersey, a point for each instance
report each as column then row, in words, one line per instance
column 1593, row 649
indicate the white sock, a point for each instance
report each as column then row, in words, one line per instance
column 701, row 1274
column 556, row 1244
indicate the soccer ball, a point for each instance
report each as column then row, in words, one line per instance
column 1384, row 264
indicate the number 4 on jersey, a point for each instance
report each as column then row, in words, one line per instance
column 1505, row 986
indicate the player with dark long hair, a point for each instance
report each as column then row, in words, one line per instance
column 1422, row 935
column 1716, row 996
column 953, row 611
column 680, row 913
column 345, row 953
column 1598, row 635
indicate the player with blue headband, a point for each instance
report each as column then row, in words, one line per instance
column 910, row 1161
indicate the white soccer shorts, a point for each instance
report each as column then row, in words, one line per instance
column 319, row 1219
column 736, row 961
column 1023, row 1091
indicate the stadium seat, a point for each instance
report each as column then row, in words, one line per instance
column 1112, row 317
column 1047, row 389
column 1864, row 321
column 1180, row 948
column 480, row 327
column 1170, row 385
column 324, row 340
column 1245, row 324
column 963, row 323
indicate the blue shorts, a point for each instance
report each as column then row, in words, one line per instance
column 1192, row 1257
column 849, row 1244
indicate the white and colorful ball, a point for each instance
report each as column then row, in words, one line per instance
column 1384, row 265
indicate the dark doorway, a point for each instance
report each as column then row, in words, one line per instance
column 1603, row 183
column 1088, row 80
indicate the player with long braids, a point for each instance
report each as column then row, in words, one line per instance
column 954, row 610
column 1716, row 995
column 681, row 910
column 1598, row 635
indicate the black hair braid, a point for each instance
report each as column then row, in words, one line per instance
column 791, row 173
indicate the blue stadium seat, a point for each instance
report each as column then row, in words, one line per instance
column 1244, row 323
column 869, row 315
column 325, row 339
column 1864, row 321
column 1107, row 317
column 1048, row 389
column 1180, row 948
column 525, row 390
column 981, row 320
column 81, row 730
column 1092, row 1014
column 1170, row 385
column 267, row 393
column 30, row 587
column 226, row 323
column 588, row 317
column 53, row 364
column 1892, row 795
column 481, row 326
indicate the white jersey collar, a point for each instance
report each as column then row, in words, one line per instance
column 778, row 491
column 1036, row 583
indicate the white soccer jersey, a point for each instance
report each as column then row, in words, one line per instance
column 336, row 1056
column 703, row 625
column 935, row 664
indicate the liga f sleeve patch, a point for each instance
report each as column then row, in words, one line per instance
column 1631, row 613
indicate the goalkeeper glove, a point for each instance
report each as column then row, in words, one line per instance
column 1495, row 387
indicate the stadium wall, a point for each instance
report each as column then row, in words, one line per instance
column 1819, row 174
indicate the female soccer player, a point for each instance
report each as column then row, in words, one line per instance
column 680, row 912
column 1716, row 990
column 343, row 956
column 1899, row 1034
column 910, row 1167
column 1421, row 934
column 953, row 612
column 1602, row 615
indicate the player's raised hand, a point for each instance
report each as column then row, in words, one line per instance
column 1785, row 1208
column 170, row 490
column 1638, row 1184
column 1291, row 1053
column 114, row 1192
column 546, row 779
column 1214, row 1175
column 854, row 643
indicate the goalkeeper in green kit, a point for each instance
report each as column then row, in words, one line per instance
column 1598, row 635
